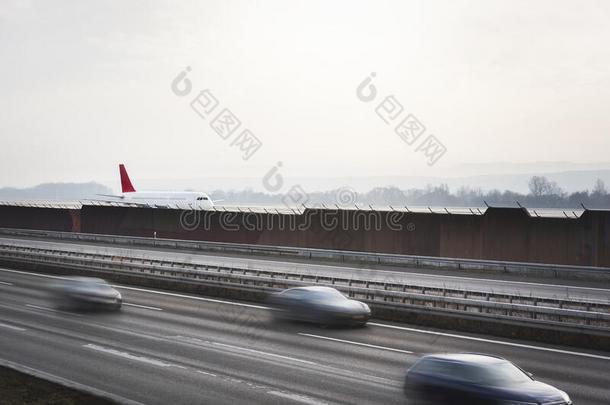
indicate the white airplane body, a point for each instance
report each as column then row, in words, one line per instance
column 146, row 198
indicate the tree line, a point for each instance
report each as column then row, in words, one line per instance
column 543, row 193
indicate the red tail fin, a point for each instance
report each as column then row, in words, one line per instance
column 126, row 185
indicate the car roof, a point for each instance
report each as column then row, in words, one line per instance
column 467, row 358
column 312, row 289
column 87, row 279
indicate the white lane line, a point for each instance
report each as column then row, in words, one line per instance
column 68, row 383
column 565, row 287
column 142, row 306
column 31, row 274
column 517, row 283
column 263, row 353
column 334, row 370
column 391, row 349
column 297, row 398
column 7, row 326
column 51, row 310
column 191, row 297
column 499, row 342
column 331, row 268
column 5, row 283
column 207, row 343
column 151, row 291
column 268, row 389
column 206, row 373
column 369, row 323
column 130, row 356
column 328, row 267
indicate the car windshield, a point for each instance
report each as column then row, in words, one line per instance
column 495, row 374
column 94, row 284
column 326, row 295
column 504, row 373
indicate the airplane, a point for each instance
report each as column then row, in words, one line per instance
column 162, row 198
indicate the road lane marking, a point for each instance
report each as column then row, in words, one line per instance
column 5, row 283
column 7, row 326
column 391, row 349
column 297, row 397
column 142, row 306
column 304, row 268
column 32, row 274
column 561, row 286
column 517, row 283
column 130, row 356
column 270, row 390
column 192, row 297
column 68, row 383
column 152, row 291
column 318, row 366
column 206, row 373
column 499, row 342
column 207, row 343
column 451, row 335
column 51, row 310
column 263, row 353
column 307, row 268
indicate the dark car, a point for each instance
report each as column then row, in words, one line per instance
column 479, row 379
column 321, row 305
column 78, row 293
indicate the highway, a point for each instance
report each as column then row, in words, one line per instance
column 167, row 347
column 490, row 282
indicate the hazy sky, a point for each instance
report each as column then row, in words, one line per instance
column 86, row 85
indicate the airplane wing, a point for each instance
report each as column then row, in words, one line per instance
column 111, row 196
column 121, row 199
column 117, row 199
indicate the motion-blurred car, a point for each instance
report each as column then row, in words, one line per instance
column 78, row 293
column 476, row 379
column 321, row 305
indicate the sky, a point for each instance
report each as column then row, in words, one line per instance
column 88, row 85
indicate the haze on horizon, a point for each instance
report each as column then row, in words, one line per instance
column 88, row 85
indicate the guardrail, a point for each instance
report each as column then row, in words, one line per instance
column 537, row 269
column 583, row 316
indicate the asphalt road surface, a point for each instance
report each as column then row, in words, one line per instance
column 166, row 347
column 594, row 292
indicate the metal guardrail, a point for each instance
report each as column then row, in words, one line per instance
column 583, row 316
column 538, row 269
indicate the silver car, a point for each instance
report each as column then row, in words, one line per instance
column 321, row 305
column 78, row 293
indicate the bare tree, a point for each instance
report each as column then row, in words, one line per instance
column 599, row 188
column 541, row 186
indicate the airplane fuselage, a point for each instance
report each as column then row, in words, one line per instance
column 181, row 198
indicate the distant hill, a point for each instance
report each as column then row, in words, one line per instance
column 569, row 180
column 568, row 189
column 55, row 191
